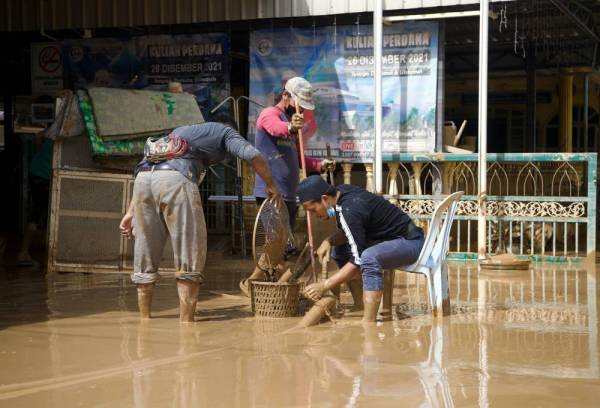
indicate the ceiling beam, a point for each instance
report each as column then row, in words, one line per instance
column 581, row 16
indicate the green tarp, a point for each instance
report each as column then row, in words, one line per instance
column 132, row 147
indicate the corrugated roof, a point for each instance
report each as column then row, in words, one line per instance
column 33, row 15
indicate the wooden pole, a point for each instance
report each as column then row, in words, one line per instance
column 308, row 221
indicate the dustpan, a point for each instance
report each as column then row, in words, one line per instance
column 504, row 262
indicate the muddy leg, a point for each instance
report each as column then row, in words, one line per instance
column 181, row 207
column 371, row 300
column 144, row 293
column 356, row 290
column 188, row 297
column 388, row 290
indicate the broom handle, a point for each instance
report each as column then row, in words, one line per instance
column 308, row 221
column 329, row 171
column 301, row 142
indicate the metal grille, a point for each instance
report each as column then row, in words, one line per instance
column 85, row 212
column 86, row 209
column 91, row 195
column 86, row 240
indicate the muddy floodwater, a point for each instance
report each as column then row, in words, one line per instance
column 514, row 339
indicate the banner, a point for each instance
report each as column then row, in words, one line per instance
column 338, row 61
column 199, row 61
column 108, row 62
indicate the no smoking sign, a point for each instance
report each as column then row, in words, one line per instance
column 49, row 59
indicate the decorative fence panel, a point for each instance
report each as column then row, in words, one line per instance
column 538, row 204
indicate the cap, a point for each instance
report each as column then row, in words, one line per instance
column 312, row 188
column 302, row 90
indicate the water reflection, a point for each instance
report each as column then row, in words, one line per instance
column 512, row 339
column 540, row 323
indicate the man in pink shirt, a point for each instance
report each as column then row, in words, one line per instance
column 277, row 140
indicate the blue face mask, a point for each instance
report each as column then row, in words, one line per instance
column 330, row 212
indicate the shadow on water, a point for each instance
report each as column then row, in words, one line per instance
column 29, row 295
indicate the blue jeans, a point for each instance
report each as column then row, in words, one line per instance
column 385, row 255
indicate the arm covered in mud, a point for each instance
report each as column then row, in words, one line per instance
column 345, row 274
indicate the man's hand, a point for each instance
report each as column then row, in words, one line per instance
column 297, row 122
column 315, row 291
column 263, row 263
column 126, row 225
column 274, row 195
column 324, row 252
column 328, row 165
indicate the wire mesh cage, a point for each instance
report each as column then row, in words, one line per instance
column 271, row 235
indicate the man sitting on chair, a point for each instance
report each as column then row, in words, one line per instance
column 372, row 235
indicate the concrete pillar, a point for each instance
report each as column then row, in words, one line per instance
column 566, row 113
column 415, row 187
column 347, row 168
column 447, row 177
column 370, row 181
column 393, row 187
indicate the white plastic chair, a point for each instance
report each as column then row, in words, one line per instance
column 432, row 260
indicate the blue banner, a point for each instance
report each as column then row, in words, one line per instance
column 199, row 61
column 338, row 61
column 109, row 62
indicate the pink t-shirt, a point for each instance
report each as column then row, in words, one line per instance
column 270, row 120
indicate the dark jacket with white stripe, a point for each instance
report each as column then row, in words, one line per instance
column 368, row 219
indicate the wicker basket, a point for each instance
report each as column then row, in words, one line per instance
column 274, row 299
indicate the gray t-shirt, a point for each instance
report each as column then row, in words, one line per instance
column 208, row 143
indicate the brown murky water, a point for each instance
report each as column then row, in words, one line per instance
column 514, row 339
